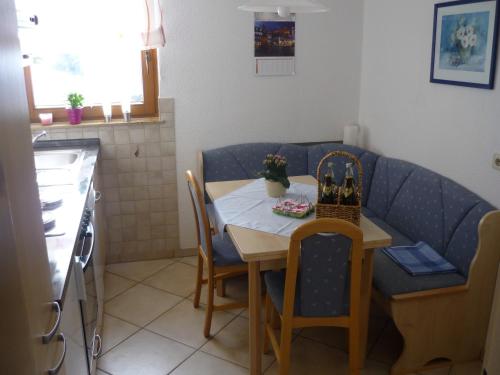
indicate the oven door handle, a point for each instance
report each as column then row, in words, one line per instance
column 88, row 257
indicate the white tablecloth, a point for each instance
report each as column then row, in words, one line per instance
column 251, row 207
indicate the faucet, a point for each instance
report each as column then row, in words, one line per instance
column 38, row 136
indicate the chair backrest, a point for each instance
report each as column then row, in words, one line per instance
column 328, row 253
column 200, row 214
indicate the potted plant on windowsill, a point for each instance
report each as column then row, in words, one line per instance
column 275, row 174
column 75, row 110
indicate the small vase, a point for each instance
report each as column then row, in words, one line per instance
column 74, row 115
column 275, row 189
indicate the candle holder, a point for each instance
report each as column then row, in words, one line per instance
column 107, row 112
column 126, row 111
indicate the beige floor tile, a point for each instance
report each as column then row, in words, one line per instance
column 178, row 278
column 184, row 323
column 389, row 346
column 337, row 337
column 141, row 304
column 193, row 261
column 114, row 285
column 230, row 297
column 138, row 271
column 231, row 343
column 145, row 353
column 202, row 363
column 310, row 357
column 469, row 368
column 115, row 331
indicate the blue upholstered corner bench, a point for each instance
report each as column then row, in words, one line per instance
column 442, row 316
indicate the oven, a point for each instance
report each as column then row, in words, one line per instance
column 86, row 280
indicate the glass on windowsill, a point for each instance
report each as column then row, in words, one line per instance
column 107, row 112
column 45, row 118
column 126, row 110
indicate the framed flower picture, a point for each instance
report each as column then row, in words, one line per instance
column 464, row 44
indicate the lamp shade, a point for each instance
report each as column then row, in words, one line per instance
column 284, row 7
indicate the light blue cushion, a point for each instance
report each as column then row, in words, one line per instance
column 389, row 175
column 417, row 210
column 398, row 238
column 224, row 252
column 367, row 158
column 367, row 212
column 463, row 243
column 244, row 161
column 322, row 287
column 275, row 287
column 390, row 279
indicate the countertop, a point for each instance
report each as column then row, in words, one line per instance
column 61, row 249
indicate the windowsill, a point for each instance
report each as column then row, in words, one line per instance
column 94, row 123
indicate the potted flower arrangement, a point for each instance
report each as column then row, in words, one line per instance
column 75, row 109
column 275, row 174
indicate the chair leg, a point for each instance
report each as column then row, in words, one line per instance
column 267, row 320
column 285, row 347
column 221, row 288
column 275, row 320
column 199, row 276
column 210, row 306
column 354, row 349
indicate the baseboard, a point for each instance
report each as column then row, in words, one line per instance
column 184, row 252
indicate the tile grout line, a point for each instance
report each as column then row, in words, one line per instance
column 174, row 260
column 121, row 341
column 208, row 340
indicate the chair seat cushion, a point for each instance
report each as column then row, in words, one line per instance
column 390, row 279
column 275, row 286
column 224, row 252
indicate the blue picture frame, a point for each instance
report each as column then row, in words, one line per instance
column 464, row 43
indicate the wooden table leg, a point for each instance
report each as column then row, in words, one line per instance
column 254, row 301
column 366, row 292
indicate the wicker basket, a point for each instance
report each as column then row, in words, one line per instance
column 339, row 211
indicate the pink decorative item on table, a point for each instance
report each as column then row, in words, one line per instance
column 45, row 118
column 293, row 208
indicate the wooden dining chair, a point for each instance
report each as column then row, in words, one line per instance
column 320, row 287
column 217, row 253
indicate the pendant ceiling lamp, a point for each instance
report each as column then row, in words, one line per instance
column 284, row 7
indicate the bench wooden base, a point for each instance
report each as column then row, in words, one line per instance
column 446, row 326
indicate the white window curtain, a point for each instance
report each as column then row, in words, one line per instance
column 132, row 24
column 102, row 37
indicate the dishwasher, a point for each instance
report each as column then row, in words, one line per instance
column 86, row 280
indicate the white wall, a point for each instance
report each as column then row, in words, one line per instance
column 207, row 67
column 449, row 129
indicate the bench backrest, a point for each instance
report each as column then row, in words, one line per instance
column 421, row 204
column 243, row 161
column 426, row 206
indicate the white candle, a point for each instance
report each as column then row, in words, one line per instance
column 106, row 109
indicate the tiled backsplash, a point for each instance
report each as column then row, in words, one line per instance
column 138, row 175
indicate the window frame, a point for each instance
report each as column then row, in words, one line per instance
column 149, row 107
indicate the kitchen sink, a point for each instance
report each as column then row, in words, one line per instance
column 57, row 167
column 63, row 159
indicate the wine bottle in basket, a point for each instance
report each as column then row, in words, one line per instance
column 348, row 195
column 329, row 188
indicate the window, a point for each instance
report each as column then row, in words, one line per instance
column 92, row 47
